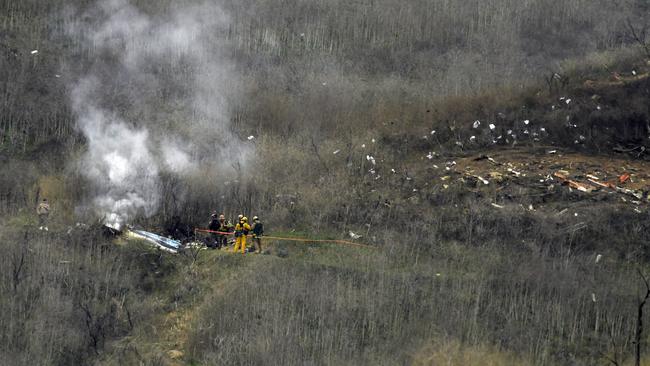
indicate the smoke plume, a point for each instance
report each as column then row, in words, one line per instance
column 155, row 100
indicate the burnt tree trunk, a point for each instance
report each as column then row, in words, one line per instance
column 639, row 321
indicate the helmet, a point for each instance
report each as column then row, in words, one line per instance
column 255, row 218
column 222, row 217
column 244, row 219
column 240, row 216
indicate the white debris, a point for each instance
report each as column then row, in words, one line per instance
column 526, row 122
column 551, row 152
column 497, row 206
column 634, row 72
column 598, row 107
column 370, row 159
column 516, row 173
column 34, row 52
column 568, row 101
column 430, row 156
column 355, row 236
column 363, row 146
column 492, row 126
column 57, row 76
column 251, row 137
column 472, row 138
column 531, row 208
column 393, row 171
column 582, row 138
column 433, row 132
column 509, row 132
column 593, row 297
column 445, row 186
column 458, row 143
column 324, row 83
column 476, row 124
column 336, row 152
column 438, row 274
column 542, row 129
column 483, row 180
column 373, row 141
column 435, row 166
column 599, row 257
column 575, row 214
column 371, row 171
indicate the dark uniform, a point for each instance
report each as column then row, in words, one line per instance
column 258, row 231
column 214, row 226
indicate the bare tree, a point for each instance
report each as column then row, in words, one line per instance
column 639, row 321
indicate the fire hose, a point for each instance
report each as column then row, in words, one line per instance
column 304, row 240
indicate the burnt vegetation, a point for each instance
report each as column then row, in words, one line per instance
column 518, row 272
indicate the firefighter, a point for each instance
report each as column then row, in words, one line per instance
column 43, row 212
column 258, row 231
column 224, row 227
column 241, row 230
column 214, row 226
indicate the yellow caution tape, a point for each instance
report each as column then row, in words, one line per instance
column 304, row 240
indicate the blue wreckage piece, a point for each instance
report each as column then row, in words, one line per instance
column 167, row 244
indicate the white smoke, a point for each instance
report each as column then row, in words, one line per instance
column 154, row 100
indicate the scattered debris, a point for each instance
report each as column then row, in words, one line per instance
column 624, row 178
column 562, row 176
column 599, row 257
column 355, row 236
column 497, row 206
column 476, row 124
column 34, row 52
column 371, row 159
column 336, row 152
column 251, row 137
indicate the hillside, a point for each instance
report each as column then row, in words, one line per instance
column 491, row 155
